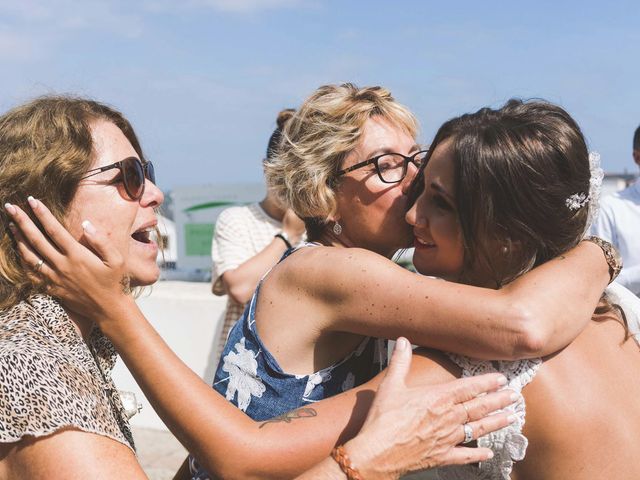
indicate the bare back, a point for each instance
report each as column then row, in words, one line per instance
column 582, row 415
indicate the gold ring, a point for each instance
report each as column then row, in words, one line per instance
column 467, row 411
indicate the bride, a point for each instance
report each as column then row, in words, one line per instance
column 502, row 192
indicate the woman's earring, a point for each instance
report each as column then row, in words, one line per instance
column 505, row 250
column 337, row 228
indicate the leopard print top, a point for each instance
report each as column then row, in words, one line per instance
column 51, row 379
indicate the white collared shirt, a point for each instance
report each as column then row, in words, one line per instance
column 619, row 223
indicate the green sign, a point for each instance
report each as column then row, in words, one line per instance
column 198, row 238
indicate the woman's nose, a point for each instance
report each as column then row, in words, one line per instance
column 412, row 170
column 410, row 216
column 415, row 216
column 153, row 196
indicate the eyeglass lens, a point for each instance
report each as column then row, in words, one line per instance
column 133, row 174
column 393, row 167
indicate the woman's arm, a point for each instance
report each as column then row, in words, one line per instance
column 232, row 445
column 69, row 453
column 362, row 292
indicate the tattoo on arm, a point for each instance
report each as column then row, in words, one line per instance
column 287, row 417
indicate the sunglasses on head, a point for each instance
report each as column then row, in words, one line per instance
column 133, row 174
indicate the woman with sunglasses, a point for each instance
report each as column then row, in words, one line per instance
column 60, row 414
column 59, row 409
column 332, row 299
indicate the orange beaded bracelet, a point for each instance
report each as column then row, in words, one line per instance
column 341, row 457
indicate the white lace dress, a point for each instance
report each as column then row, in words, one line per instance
column 509, row 445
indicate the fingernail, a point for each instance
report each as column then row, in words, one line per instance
column 514, row 396
column 490, row 455
column 88, row 227
column 402, row 344
column 10, row 208
column 502, row 380
column 33, row 203
column 512, row 418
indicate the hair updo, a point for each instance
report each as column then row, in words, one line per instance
column 515, row 167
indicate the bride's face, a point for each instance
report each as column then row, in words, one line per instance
column 437, row 235
column 103, row 200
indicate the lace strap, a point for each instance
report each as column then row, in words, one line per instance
column 508, row 444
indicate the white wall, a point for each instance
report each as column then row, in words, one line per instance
column 189, row 318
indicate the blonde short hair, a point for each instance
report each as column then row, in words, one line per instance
column 45, row 149
column 315, row 142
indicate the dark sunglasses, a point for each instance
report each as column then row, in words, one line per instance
column 133, row 174
column 390, row 167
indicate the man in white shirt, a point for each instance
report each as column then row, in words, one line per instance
column 619, row 223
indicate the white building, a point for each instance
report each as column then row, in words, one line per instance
column 194, row 211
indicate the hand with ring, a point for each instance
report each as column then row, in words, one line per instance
column 38, row 266
column 416, row 428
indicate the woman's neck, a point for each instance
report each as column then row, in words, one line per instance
column 272, row 207
column 330, row 239
column 83, row 325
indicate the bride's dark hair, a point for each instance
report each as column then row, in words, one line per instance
column 515, row 167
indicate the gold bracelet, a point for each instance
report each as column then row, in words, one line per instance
column 342, row 459
column 611, row 255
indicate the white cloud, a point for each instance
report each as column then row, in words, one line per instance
column 17, row 47
column 31, row 10
column 248, row 6
column 46, row 16
column 230, row 6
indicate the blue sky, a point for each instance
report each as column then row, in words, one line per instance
column 202, row 80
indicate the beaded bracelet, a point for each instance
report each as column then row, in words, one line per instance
column 611, row 255
column 342, row 458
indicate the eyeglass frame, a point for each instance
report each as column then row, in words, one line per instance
column 407, row 159
column 118, row 165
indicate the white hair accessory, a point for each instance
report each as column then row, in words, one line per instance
column 580, row 199
column 576, row 201
column 595, row 185
column 592, row 199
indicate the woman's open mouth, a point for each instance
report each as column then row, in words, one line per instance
column 143, row 235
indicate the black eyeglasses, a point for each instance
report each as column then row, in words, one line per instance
column 390, row 167
column 133, row 172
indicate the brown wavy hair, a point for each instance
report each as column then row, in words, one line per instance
column 45, row 149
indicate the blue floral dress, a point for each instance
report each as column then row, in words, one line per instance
column 251, row 378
